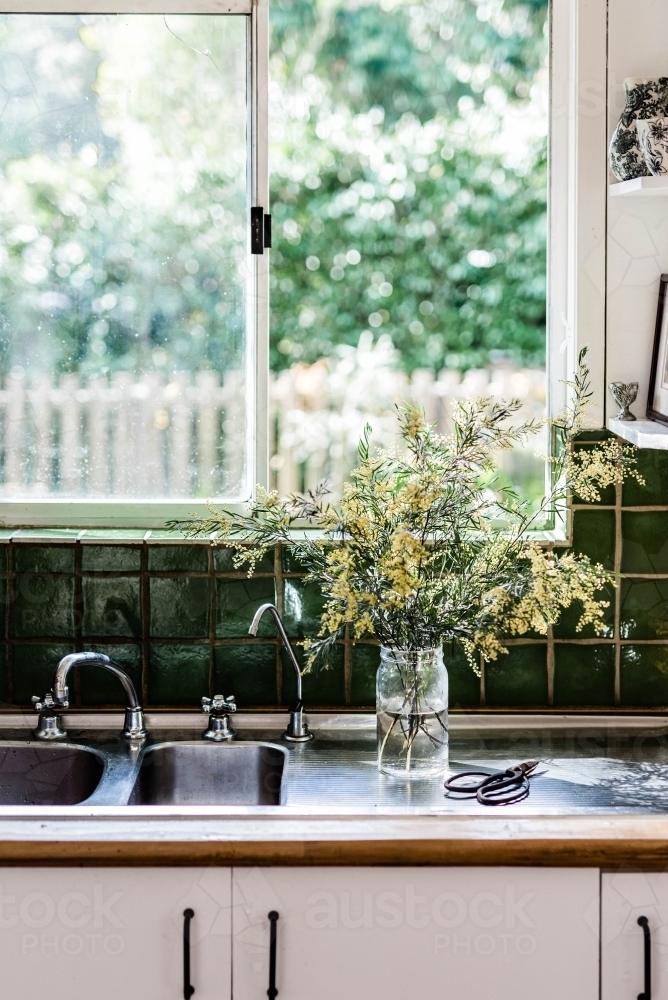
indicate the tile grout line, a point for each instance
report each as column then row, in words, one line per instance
column 145, row 601
column 549, row 664
column 280, row 601
column 213, row 608
column 347, row 666
column 77, row 610
column 618, row 594
column 9, row 625
column 115, row 640
column 483, row 693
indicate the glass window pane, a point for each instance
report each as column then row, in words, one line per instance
column 124, row 325
column 409, row 192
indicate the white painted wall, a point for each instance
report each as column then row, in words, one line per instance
column 637, row 227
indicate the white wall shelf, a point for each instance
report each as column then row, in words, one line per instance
column 654, row 187
column 643, row 433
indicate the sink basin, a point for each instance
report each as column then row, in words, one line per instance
column 211, row 774
column 33, row 775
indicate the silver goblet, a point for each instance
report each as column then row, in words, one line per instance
column 624, row 394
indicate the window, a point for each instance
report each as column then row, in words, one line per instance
column 409, row 185
column 408, row 148
column 128, row 322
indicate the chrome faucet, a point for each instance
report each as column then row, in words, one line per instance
column 297, row 731
column 48, row 727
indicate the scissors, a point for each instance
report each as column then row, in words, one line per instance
column 498, row 788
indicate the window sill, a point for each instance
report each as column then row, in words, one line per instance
column 98, row 536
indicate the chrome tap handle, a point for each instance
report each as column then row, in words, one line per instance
column 218, row 709
column 48, row 727
column 40, row 704
column 219, row 705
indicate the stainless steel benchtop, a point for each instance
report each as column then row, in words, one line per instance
column 590, row 765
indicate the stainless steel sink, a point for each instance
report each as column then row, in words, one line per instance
column 47, row 775
column 215, row 774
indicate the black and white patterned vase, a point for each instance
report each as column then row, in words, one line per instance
column 645, row 98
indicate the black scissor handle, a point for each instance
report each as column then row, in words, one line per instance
column 504, row 789
column 647, row 954
column 454, row 784
column 188, row 989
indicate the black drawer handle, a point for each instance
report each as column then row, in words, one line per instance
column 188, row 990
column 272, row 992
column 647, row 995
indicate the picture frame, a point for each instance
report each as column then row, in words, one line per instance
column 657, row 398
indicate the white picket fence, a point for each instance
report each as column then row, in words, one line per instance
column 319, row 415
column 125, row 437
column 185, row 436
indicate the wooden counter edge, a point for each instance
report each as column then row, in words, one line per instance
column 634, row 843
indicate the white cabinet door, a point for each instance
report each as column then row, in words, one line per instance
column 376, row 933
column 626, row 897
column 113, row 933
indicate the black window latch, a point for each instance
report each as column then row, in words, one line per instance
column 260, row 230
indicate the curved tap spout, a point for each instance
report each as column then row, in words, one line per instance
column 297, row 731
column 59, row 697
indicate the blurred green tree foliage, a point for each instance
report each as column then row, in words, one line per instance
column 123, row 203
column 409, row 178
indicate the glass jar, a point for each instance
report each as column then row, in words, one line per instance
column 412, row 712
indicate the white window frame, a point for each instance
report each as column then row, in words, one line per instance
column 576, row 218
column 577, row 199
column 126, row 514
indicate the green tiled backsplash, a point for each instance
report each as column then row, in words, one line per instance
column 177, row 615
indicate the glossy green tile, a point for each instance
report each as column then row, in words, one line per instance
column 291, row 561
column 3, row 609
column 34, row 665
column 236, row 603
column 518, row 678
column 122, row 536
column 366, row 659
column 645, row 542
column 111, row 606
column 4, row 676
column 247, row 671
column 45, row 536
column 567, row 626
column 178, row 675
column 323, row 685
column 110, row 558
column 44, row 558
column 303, row 604
column 44, row 607
column 644, row 676
column 168, row 558
column 180, row 607
column 653, row 467
column 463, row 682
column 594, row 535
column 223, row 561
column 99, row 688
column 644, row 609
column 584, row 675
column 595, row 434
